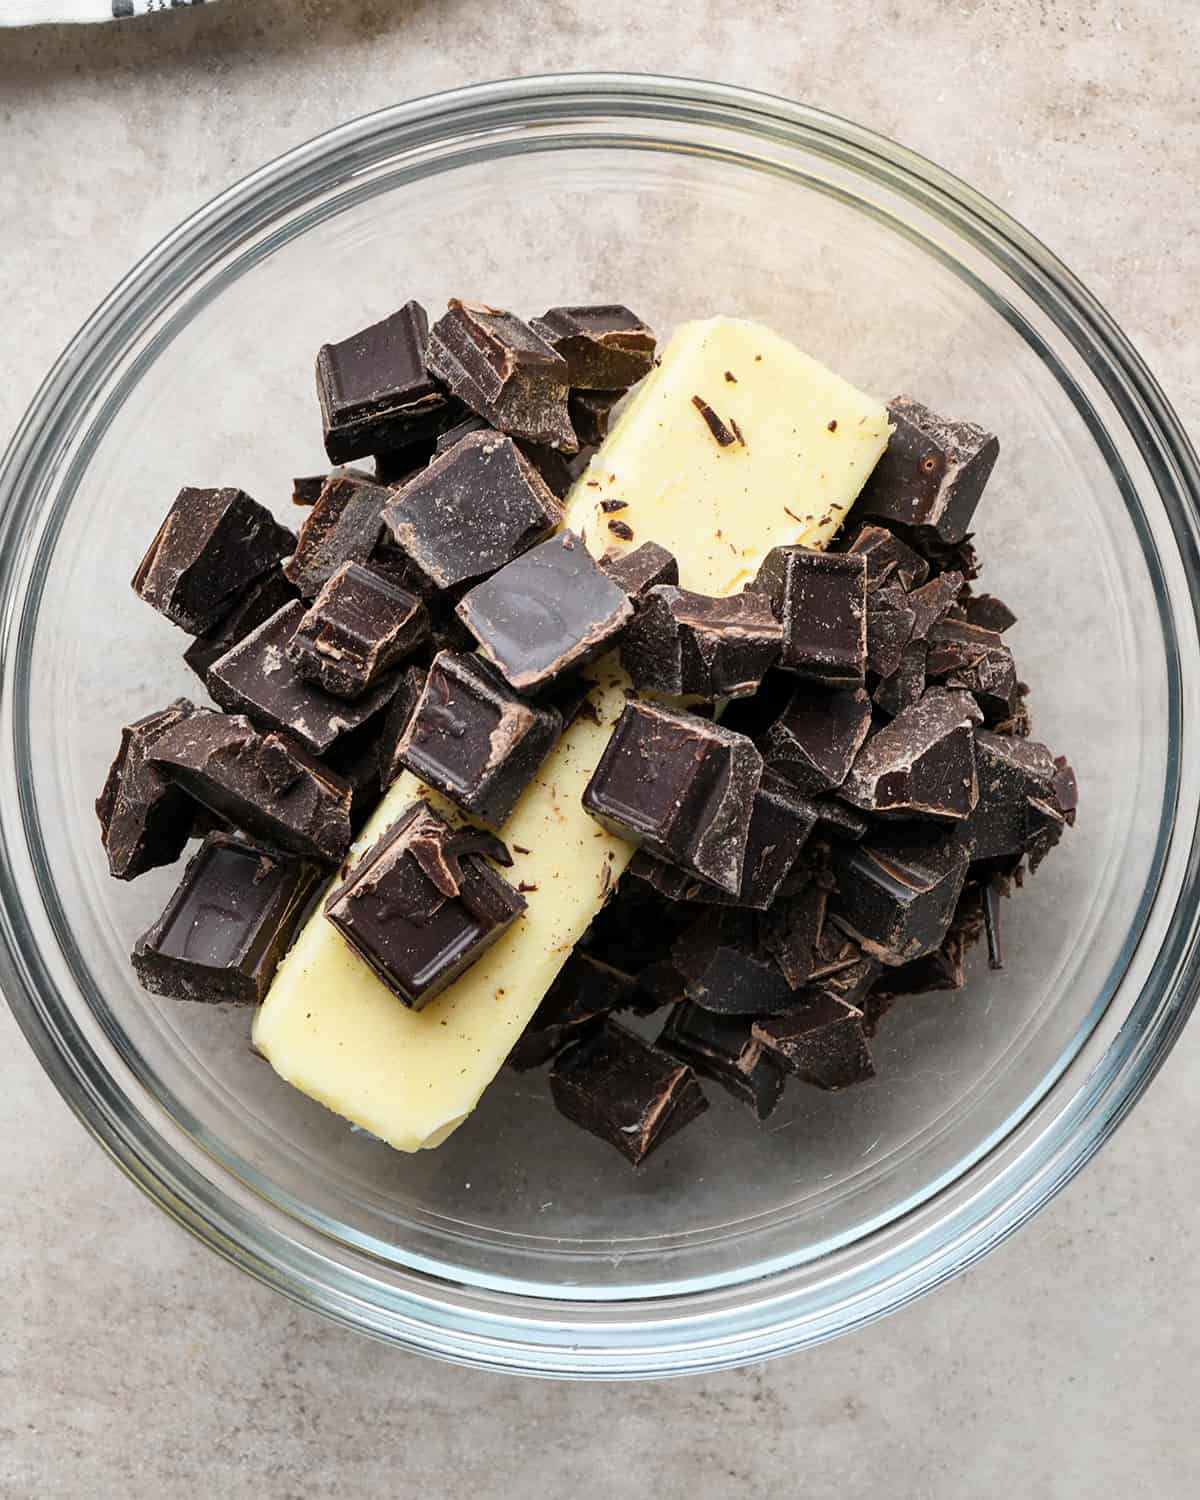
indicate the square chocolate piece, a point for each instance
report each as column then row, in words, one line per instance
column 922, row 764
column 641, row 569
column 256, row 677
column 263, row 783
column 145, row 820
column 814, row 741
column 681, row 787
column 685, row 643
column 499, row 367
column 590, row 414
column 606, row 347
column 375, row 391
column 822, row 1043
column 210, row 546
column 472, row 510
column 626, row 1092
column 227, row 925
column 889, row 559
column 345, row 525
column 932, row 472
column 548, row 612
column 896, row 897
column 726, row 971
column 821, row 600
column 417, row 912
column 258, row 602
column 358, row 628
column 722, row 1048
column 474, row 739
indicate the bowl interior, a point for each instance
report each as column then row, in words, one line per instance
column 225, row 395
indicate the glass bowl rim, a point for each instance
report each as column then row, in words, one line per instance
column 691, row 1331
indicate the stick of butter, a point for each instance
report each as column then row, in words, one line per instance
column 802, row 442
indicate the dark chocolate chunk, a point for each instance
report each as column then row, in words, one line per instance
column 1016, row 779
column 548, row 612
column 210, row 546
column 358, row 627
column 680, row 642
column 889, row 627
column 459, row 431
column 345, row 525
column 256, row 677
column 307, row 489
column 227, row 925
column 814, row 741
column 1065, row 790
column 896, row 896
column 991, row 678
column 607, row 348
column 396, row 466
column 755, row 715
column 375, row 390
column 145, row 820
column 258, row 602
column 641, row 569
column 474, row 739
column 554, row 469
column 822, row 1043
column 262, row 783
column 988, row 612
column 821, row 599
column 395, row 723
column 636, row 928
column 932, row 472
column 726, row 971
column 906, row 684
column 356, row 758
column 584, row 991
column 779, row 826
column 889, row 559
column 418, row 913
column 723, row 1049
column 472, row 510
column 680, row 787
column 725, row 438
column 922, row 764
column 932, row 601
column 836, row 819
column 590, row 413
column 626, row 1092
column 499, row 367
column 791, row 929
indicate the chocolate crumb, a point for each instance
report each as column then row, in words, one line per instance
column 592, row 484
column 832, row 426
column 793, row 515
column 737, row 432
column 718, row 428
column 619, row 528
column 527, row 885
column 611, row 505
column 520, row 849
column 731, row 377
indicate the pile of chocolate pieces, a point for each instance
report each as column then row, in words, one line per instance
column 829, row 825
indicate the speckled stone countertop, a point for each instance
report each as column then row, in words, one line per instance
column 132, row 1361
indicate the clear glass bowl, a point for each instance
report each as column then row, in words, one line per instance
column 524, row 1244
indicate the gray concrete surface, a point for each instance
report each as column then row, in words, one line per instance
column 133, row 1363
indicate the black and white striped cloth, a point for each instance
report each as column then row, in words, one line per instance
column 46, row 12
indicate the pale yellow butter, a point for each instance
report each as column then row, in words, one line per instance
column 328, row 1025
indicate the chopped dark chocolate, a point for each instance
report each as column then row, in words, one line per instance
column 358, row 627
column 821, row 600
column 932, row 601
column 988, row 612
column 896, row 896
column 548, row 612
column 791, row 929
column 1065, row 790
column 724, row 437
column 889, row 627
column 906, row 684
column 889, row 560
column 258, row 602
column 779, row 826
column 499, row 367
column 375, row 391
column 345, row 525
column 990, row 676
column 822, row 1043
column 932, row 472
column 307, row 489
column 1016, row 779
column 726, row 971
column 607, row 348
column 922, row 764
column 641, row 569
column 262, row 783
column 814, row 741
column 679, row 786
column 395, row 723
column 590, row 413
column 836, row 819
column 227, row 925
column 636, row 928
column 584, row 991
column 145, row 820
column 472, row 510
column 459, row 431
column 723, row 1049
column 418, row 913
column 685, row 643
column 210, row 546
column 626, row 1092
column 396, row 466
column 474, row 739
column 256, row 677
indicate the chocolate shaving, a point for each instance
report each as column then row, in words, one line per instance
column 737, row 432
column 718, row 428
column 619, row 528
column 611, row 505
column 731, row 377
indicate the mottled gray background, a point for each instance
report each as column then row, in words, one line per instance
column 132, row 1362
